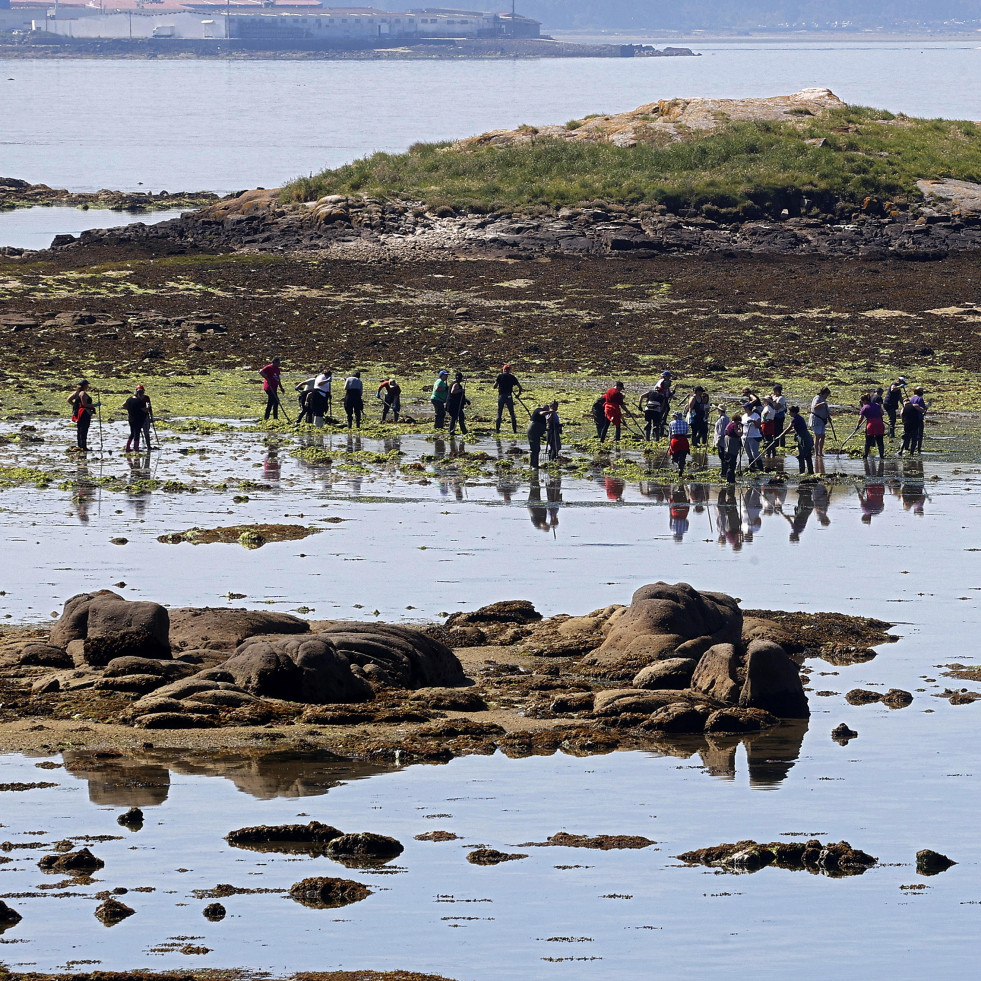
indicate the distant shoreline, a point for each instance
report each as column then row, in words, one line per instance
column 43, row 46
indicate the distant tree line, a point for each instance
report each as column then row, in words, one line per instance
column 731, row 14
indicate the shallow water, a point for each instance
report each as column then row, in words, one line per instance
column 34, row 228
column 411, row 551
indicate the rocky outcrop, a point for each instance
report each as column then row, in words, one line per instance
column 364, row 848
column 664, row 121
column 772, row 682
column 664, row 620
column 491, row 856
column 323, row 892
column 111, row 911
column 104, row 626
column 15, row 193
column 834, row 859
column 929, row 862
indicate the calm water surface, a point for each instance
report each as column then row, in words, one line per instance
column 223, row 126
column 411, row 551
column 34, row 228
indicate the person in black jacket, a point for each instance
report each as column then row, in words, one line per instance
column 537, row 427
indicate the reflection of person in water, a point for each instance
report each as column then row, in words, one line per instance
column 271, row 466
column 678, row 513
column 139, row 469
column 912, row 491
column 727, row 519
column 84, row 492
column 753, row 512
column 614, row 488
column 545, row 517
column 872, row 499
column 821, row 495
column 802, row 512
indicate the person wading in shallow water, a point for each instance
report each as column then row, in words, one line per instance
column 353, row 399
column 456, row 402
column 820, row 416
column 137, row 414
column 613, row 409
column 537, row 427
column 507, row 386
column 392, row 399
column 272, row 385
column 440, row 393
column 82, row 409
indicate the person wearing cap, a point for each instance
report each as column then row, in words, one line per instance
column 613, row 409
column 891, row 402
column 553, row 432
column 732, row 444
column 506, row 385
column 272, row 385
column 678, row 447
column 138, row 409
column 820, row 416
column 440, row 393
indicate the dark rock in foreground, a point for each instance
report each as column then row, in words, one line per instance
column 266, row 836
column 107, row 626
column 81, row 862
column 323, row 892
column 834, row 859
column 364, row 848
column 8, row 916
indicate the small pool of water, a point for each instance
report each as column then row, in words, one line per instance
column 34, row 228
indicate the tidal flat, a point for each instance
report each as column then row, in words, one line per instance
column 410, row 527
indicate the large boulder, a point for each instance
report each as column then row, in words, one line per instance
column 772, row 682
column 665, row 620
column 717, row 673
column 297, row 669
column 109, row 626
column 208, row 628
column 390, row 654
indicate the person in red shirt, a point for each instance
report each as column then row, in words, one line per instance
column 272, row 385
column 613, row 409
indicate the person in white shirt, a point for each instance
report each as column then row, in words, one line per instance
column 751, row 440
column 353, row 399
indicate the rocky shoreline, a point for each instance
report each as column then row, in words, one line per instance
column 15, row 193
column 359, row 227
column 674, row 663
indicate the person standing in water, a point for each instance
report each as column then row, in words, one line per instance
column 391, row 399
column 537, row 427
column 440, row 393
column 507, row 386
column 456, row 402
column 353, row 399
column 137, row 415
column 82, row 408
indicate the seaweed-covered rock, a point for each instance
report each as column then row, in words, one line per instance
column 111, row 912
column 929, row 862
column 37, row 655
column 678, row 717
column 623, row 701
column 663, row 619
column 506, row 611
column 110, row 626
column 120, row 667
column 491, row 856
column 773, row 682
column 132, row 819
column 834, row 859
column 323, row 892
column 450, row 699
column 173, row 720
column 8, row 916
column 364, row 848
column 82, row 862
column 266, row 837
column 214, row 912
column 562, row 839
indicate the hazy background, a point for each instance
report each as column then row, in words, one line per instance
column 743, row 15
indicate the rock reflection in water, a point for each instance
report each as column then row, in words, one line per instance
column 145, row 781
column 770, row 755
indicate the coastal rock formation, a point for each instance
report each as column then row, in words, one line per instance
column 323, row 892
column 665, row 120
column 104, row 626
column 224, row 629
column 665, row 620
column 834, row 859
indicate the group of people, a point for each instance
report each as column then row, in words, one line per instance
column 761, row 423
column 139, row 414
